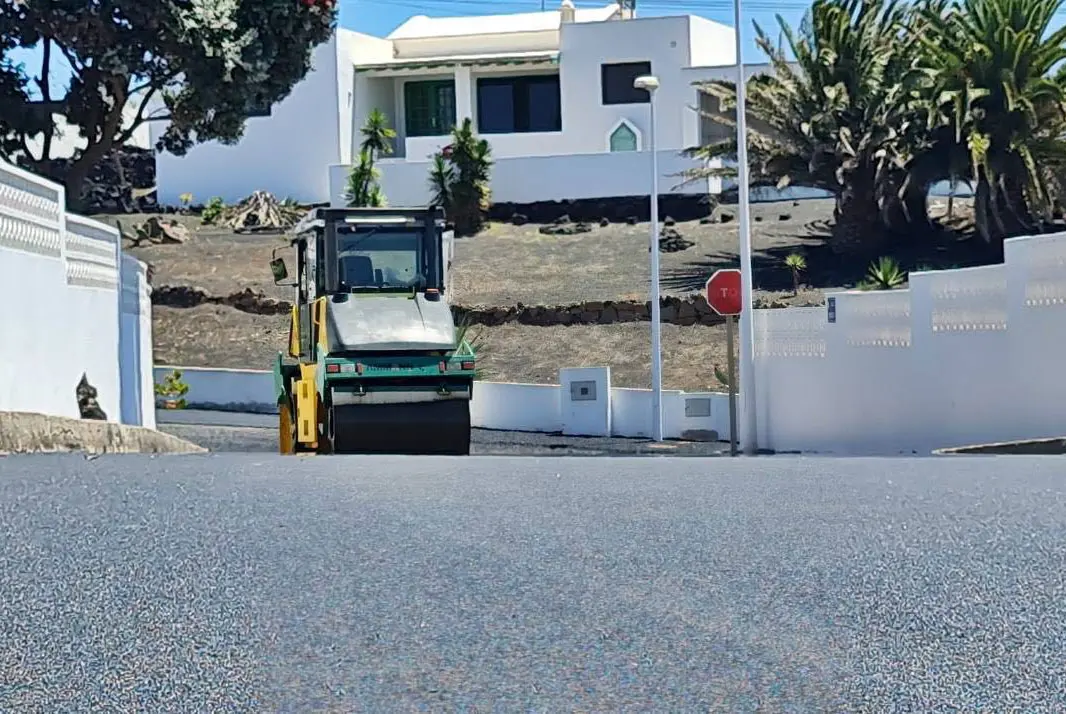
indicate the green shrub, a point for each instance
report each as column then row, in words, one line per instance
column 212, row 210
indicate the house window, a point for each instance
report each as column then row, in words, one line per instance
column 508, row 105
column 616, row 83
column 623, row 138
column 429, row 107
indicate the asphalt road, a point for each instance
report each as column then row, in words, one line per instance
column 230, row 431
column 248, row 582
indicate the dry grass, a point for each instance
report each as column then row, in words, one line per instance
column 216, row 336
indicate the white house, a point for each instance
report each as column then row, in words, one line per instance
column 551, row 91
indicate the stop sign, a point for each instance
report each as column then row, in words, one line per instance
column 723, row 292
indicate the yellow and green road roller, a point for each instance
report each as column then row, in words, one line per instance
column 375, row 360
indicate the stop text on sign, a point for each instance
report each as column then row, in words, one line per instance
column 723, row 292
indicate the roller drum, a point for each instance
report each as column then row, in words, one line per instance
column 441, row 427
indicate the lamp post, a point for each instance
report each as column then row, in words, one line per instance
column 748, row 435
column 650, row 83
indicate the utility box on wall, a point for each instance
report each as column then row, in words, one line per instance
column 585, row 401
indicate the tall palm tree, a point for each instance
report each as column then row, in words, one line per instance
column 363, row 188
column 377, row 134
column 841, row 121
column 991, row 61
column 468, row 191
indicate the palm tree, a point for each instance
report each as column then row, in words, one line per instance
column 460, row 179
column 363, row 188
column 991, row 61
column 377, row 134
column 441, row 176
column 840, row 121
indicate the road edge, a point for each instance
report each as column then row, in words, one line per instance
column 31, row 432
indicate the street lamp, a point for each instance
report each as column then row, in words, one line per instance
column 748, row 425
column 650, row 83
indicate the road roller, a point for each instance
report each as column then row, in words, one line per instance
column 376, row 363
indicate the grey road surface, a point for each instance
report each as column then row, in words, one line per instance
column 229, row 431
column 246, row 582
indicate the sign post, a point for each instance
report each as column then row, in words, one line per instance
column 723, row 293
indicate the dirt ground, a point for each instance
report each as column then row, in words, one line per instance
column 507, row 264
column 219, row 336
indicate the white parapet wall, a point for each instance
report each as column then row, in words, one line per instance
column 498, row 405
column 961, row 357
column 526, row 179
column 60, row 277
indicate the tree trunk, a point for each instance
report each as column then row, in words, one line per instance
column 858, row 229
column 74, row 182
column 1001, row 209
column 982, row 202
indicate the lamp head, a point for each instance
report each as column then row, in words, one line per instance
column 647, row 82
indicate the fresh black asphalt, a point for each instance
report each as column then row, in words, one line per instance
column 256, row 582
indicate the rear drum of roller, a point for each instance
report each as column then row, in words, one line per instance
column 441, row 427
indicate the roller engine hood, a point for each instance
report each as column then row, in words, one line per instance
column 390, row 322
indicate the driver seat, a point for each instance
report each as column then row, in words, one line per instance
column 357, row 270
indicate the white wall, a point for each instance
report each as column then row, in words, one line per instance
column 711, row 44
column 671, row 44
column 60, row 278
column 357, row 95
column 961, row 357
column 286, row 153
column 539, row 178
column 316, row 126
column 135, row 345
column 496, row 405
column 419, row 47
column 664, row 41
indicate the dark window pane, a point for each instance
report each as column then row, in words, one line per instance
column 519, row 104
column 495, row 107
column 429, row 107
column 616, row 83
column 544, row 107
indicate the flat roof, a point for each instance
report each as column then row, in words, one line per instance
column 478, row 60
column 421, row 26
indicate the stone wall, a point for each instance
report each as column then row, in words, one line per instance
column 689, row 310
column 680, row 207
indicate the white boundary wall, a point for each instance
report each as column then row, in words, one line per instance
column 526, row 179
column 63, row 316
column 496, row 405
column 961, row 357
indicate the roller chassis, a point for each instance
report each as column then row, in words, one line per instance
column 407, row 388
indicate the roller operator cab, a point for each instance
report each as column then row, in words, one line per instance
column 375, row 363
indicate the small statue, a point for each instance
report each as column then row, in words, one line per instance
column 88, row 407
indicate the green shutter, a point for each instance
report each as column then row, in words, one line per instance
column 623, row 139
column 429, row 107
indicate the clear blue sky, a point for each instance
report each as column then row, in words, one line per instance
column 379, row 17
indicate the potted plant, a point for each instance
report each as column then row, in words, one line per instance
column 172, row 391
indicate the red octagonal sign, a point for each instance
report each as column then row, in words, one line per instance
column 723, row 292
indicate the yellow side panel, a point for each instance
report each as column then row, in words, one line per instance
column 294, row 332
column 307, row 406
column 320, row 323
column 285, row 442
